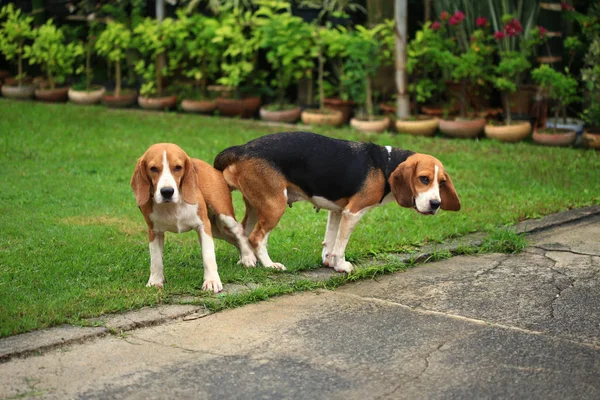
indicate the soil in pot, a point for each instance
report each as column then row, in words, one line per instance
column 126, row 98
column 52, row 95
column 290, row 113
column 514, row 132
column 462, row 128
column 85, row 97
column 421, row 125
column 376, row 124
column 322, row 117
column 554, row 137
column 157, row 103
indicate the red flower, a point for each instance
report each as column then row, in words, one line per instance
column 543, row 31
column 513, row 28
column 499, row 35
column 459, row 15
column 481, row 21
column 445, row 15
column 566, row 6
column 453, row 21
column 517, row 25
column 436, row 26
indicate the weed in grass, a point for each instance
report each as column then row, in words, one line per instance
column 504, row 241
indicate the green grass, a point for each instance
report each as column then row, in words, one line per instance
column 73, row 244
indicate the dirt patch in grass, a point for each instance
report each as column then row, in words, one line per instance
column 126, row 226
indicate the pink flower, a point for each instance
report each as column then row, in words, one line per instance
column 453, row 21
column 459, row 15
column 445, row 15
column 513, row 28
column 517, row 25
column 436, row 26
column 566, row 6
column 542, row 31
column 481, row 21
column 499, row 35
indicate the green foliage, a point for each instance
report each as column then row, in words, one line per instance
column 590, row 76
column 561, row 87
column 290, row 48
column 50, row 51
column 16, row 30
column 153, row 38
column 333, row 8
column 113, row 43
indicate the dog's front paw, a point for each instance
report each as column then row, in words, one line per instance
column 212, row 285
column 248, row 260
column 344, row 266
column 325, row 257
column 155, row 281
column 278, row 266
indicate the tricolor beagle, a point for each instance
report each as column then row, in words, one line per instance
column 347, row 178
column 176, row 193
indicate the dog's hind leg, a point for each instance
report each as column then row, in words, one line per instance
column 234, row 234
column 267, row 218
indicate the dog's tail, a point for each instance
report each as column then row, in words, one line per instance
column 227, row 157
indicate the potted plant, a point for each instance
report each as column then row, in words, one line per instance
column 238, row 35
column 84, row 92
column 113, row 43
column 366, row 54
column 153, row 38
column 322, row 115
column 422, row 66
column 508, row 76
column 590, row 76
column 562, row 90
column 288, row 43
column 56, row 58
column 16, row 31
column 468, row 63
column 200, row 60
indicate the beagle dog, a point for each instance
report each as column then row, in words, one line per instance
column 176, row 193
column 347, row 178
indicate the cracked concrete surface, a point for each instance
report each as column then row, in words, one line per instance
column 471, row 327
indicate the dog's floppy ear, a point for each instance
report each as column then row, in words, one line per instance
column 450, row 200
column 401, row 183
column 189, row 184
column 140, row 183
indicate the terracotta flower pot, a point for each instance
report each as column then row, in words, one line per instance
column 316, row 117
column 289, row 116
column 592, row 138
column 462, row 128
column 127, row 98
column 561, row 137
column 508, row 133
column 22, row 92
column 244, row 108
column 199, row 106
column 157, row 103
column 377, row 125
column 345, row 106
column 84, row 97
column 423, row 125
column 52, row 95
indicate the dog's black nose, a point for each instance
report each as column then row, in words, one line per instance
column 434, row 204
column 167, row 192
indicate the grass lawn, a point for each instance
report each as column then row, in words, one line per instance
column 73, row 243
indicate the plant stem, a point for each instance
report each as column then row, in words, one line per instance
column 369, row 102
column 158, row 77
column 20, row 62
column 88, row 66
column 321, row 91
column 281, row 89
column 506, row 103
column 117, row 78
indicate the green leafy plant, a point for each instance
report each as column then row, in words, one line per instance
column 16, row 31
column 154, row 38
column 333, row 8
column 50, row 51
column 113, row 43
column 561, row 87
column 290, row 49
column 590, row 76
column 201, row 55
column 335, row 43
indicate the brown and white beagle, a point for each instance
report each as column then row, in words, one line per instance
column 176, row 193
column 347, row 178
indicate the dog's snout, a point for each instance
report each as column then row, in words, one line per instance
column 434, row 204
column 167, row 192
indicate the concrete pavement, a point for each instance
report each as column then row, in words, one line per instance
column 523, row 326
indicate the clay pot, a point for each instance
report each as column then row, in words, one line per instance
column 289, row 116
column 592, row 138
column 508, row 133
column 322, row 117
column 127, row 98
column 345, row 106
column 377, row 125
column 245, row 108
column 562, row 137
column 157, row 103
column 84, row 97
column 199, row 106
column 423, row 125
column 462, row 128
column 52, row 95
column 22, row 92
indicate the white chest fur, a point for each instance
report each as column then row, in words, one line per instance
column 175, row 217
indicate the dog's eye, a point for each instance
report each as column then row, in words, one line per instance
column 154, row 169
column 424, row 180
column 178, row 168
